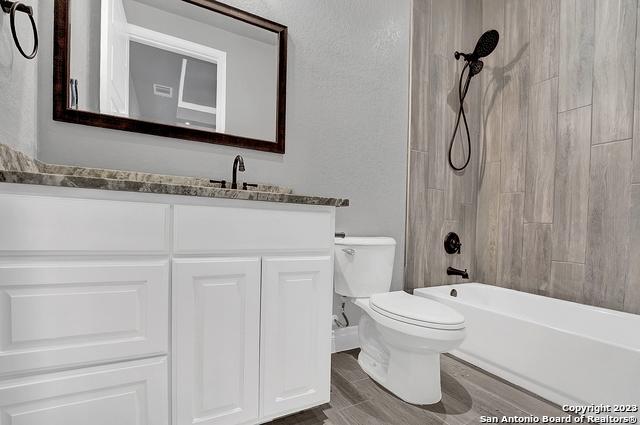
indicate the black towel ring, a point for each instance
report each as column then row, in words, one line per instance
column 11, row 8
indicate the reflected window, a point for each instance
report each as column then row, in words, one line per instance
column 177, row 89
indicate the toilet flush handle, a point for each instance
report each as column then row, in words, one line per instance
column 349, row 251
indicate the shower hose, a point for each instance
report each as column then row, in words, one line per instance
column 462, row 94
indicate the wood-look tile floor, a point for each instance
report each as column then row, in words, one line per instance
column 467, row 394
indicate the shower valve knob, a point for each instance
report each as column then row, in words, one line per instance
column 452, row 244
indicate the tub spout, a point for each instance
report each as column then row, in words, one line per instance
column 455, row 272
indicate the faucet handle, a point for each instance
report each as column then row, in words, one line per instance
column 246, row 185
column 222, row 183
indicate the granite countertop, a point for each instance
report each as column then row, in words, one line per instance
column 16, row 167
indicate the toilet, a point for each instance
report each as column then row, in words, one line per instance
column 401, row 335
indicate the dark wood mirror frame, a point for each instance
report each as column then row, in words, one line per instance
column 61, row 111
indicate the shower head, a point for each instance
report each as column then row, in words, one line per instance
column 486, row 44
column 484, row 47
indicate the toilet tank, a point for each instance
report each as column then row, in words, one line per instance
column 363, row 265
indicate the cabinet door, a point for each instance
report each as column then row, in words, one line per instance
column 129, row 393
column 296, row 334
column 216, row 325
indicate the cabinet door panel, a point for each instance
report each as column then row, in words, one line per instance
column 216, row 340
column 61, row 314
column 130, row 393
column 296, row 334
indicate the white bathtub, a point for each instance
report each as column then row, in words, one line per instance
column 565, row 352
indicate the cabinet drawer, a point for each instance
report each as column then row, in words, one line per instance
column 69, row 314
column 226, row 229
column 37, row 223
column 130, row 393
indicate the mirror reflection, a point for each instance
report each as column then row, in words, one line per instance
column 171, row 62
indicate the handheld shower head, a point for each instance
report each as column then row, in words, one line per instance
column 484, row 47
column 475, row 67
column 486, row 44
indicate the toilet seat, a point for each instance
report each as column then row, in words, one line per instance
column 417, row 311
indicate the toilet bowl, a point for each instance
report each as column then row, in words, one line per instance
column 401, row 335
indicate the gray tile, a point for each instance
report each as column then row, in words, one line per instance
column 613, row 72
column 446, row 20
column 571, row 197
column 516, row 30
column 401, row 412
column 577, row 22
column 370, row 413
column 632, row 293
column 343, row 392
column 608, row 225
column 636, row 125
column 455, row 191
column 441, row 119
column 527, row 402
column 469, row 234
column 510, row 239
column 346, row 365
column 541, row 152
column 436, row 257
column 515, row 100
column 420, row 52
column 567, row 281
column 471, row 27
column 487, row 224
column 471, row 23
column 417, row 219
column 491, row 85
column 425, row 255
column 544, row 36
column 536, row 258
column 321, row 415
column 515, row 95
column 484, row 402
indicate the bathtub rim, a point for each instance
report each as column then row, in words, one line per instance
column 442, row 296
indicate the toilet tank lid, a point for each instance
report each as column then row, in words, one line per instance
column 372, row 241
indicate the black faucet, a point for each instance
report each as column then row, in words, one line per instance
column 455, row 272
column 237, row 162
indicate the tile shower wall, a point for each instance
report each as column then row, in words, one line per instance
column 439, row 200
column 567, row 209
column 558, row 180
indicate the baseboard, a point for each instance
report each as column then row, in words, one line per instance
column 343, row 339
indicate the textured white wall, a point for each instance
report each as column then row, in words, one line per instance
column 17, row 86
column 347, row 110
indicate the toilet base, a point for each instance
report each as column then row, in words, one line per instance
column 413, row 376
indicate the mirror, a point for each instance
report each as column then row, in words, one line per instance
column 192, row 69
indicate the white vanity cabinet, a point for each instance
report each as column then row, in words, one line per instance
column 252, row 294
column 121, row 308
column 84, row 309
